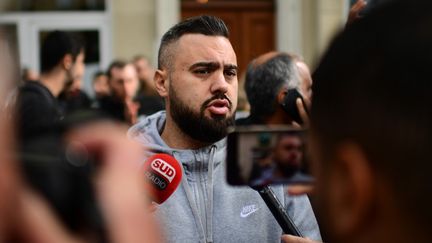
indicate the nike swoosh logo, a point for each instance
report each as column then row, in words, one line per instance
column 245, row 214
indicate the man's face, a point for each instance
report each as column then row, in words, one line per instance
column 100, row 86
column 144, row 69
column 203, row 86
column 288, row 152
column 124, row 82
column 79, row 66
column 76, row 72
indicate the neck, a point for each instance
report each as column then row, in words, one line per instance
column 174, row 137
column 279, row 117
column 54, row 81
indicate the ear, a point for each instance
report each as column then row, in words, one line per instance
column 352, row 192
column 67, row 62
column 281, row 95
column 161, row 82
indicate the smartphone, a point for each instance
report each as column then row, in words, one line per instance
column 264, row 155
column 371, row 6
column 289, row 105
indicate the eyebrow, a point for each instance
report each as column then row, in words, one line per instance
column 231, row 66
column 212, row 65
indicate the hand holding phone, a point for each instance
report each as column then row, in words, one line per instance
column 291, row 106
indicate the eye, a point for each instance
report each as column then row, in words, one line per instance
column 201, row 71
column 230, row 72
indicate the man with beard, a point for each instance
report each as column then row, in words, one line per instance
column 37, row 107
column 197, row 77
column 123, row 84
column 288, row 158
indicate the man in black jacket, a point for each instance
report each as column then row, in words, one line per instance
column 37, row 107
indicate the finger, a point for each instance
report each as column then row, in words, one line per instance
column 296, row 190
column 153, row 207
column 359, row 5
column 295, row 239
column 296, row 125
column 355, row 10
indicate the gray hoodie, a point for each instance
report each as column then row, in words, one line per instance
column 204, row 208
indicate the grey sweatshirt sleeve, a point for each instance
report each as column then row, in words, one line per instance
column 300, row 210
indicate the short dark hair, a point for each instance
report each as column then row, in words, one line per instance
column 98, row 74
column 55, row 46
column 264, row 81
column 373, row 87
column 206, row 25
column 120, row 64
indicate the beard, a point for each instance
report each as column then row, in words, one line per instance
column 68, row 80
column 196, row 124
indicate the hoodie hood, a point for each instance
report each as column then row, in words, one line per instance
column 148, row 133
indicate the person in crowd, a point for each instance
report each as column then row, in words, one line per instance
column 370, row 128
column 197, row 77
column 147, row 96
column 100, row 85
column 38, row 111
column 73, row 98
column 268, row 79
column 304, row 76
column 145, row 73
column 29, row 74
column 123, row 83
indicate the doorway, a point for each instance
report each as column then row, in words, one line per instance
column 250, row 22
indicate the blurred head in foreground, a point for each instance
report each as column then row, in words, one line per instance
column 8, row 172
column 371, row 128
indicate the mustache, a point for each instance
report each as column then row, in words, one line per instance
column 218, row 96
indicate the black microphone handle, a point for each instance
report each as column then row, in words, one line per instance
column 278, row 211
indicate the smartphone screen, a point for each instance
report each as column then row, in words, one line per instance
column 263, row 155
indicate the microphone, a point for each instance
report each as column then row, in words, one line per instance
column 278, row 211
column 163, row 175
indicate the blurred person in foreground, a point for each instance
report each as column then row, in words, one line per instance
column 25, row 216
column 123, row 83
column 197, row 76
column 371, row 130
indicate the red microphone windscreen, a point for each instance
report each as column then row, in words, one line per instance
column 163, row 175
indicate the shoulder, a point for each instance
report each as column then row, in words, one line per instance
column 28, row 98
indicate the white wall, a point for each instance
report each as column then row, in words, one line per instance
column 134, row 30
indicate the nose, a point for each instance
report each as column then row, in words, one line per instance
column 219, row 84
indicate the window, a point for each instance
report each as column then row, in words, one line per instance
column 54, row 5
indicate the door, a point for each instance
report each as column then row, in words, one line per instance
column 250, row 22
